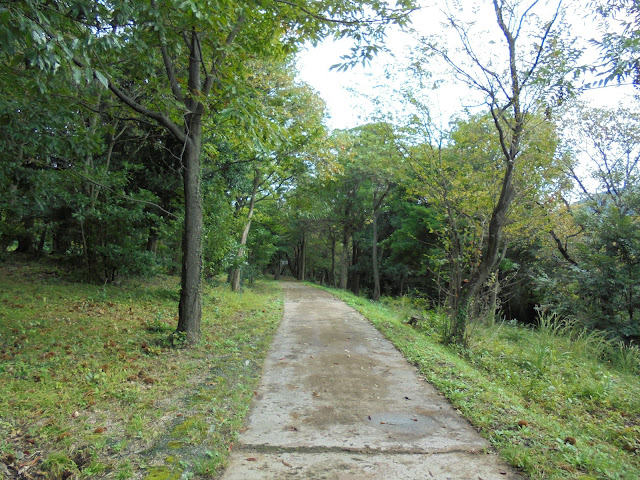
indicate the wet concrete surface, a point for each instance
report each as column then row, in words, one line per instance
column 338, row 401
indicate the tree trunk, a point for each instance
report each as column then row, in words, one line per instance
column 303, row 258
column 26, row 239
column 377, row 203
column 354, row 281
column 278, row 267
column 152, row 240
column 190, row 308
column 43, row 238
column 344, row 259
column 495, row 291
column 489, row 257
column 374, row 257
column 236, row 276
column 332, row 273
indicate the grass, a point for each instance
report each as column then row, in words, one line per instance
column 555, row 402
column 95, row 384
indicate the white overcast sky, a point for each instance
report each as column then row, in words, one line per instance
column 347, row 109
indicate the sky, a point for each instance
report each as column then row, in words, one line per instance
column 345, row 93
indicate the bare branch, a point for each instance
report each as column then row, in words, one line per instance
column 543, row 41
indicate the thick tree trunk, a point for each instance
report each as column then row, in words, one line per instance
column 190, row 308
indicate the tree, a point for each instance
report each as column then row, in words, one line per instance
column 597, row 278
column 375, row 156
column 528, row 65
column 457, row 175
column 201, row 48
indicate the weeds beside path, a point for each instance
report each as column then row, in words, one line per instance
column 95, row 383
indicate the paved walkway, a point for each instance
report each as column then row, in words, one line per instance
column 338, row 401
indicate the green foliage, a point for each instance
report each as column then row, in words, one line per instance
column 458, row 174
column 619, row 45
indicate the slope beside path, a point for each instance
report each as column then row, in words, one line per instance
column 338, row 401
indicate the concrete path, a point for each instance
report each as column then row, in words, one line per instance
column 338, row 401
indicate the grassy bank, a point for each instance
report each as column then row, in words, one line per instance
column 95, row 384
column 556, row 403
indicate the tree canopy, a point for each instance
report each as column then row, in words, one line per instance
column 174, row 136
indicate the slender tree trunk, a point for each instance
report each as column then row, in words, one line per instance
column 43, row 238
column 332, row 273
column 489, row 257
column 152, row 240
column 374, row 257
column 278, row 267
column 236, row 276
column 344, row 259
column 377, row 203
column 354, row 281
column 303, row 258
column 495, row 290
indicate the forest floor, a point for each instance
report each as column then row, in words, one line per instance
column 338, row 400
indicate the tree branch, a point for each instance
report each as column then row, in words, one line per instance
column 163, row 120
column 563, row 249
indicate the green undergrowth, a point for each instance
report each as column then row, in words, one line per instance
column 96, row 384
column 556, row 403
